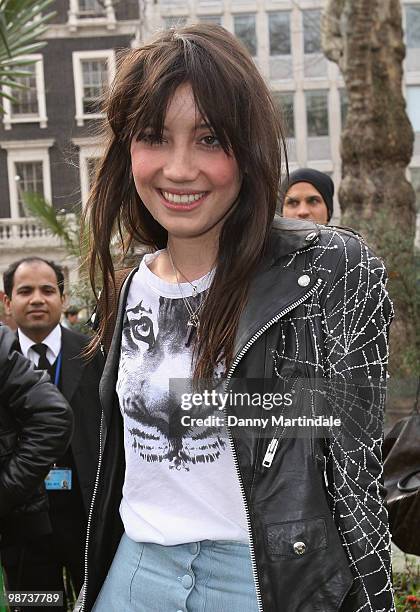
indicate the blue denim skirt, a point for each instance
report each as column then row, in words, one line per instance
column 207, row 576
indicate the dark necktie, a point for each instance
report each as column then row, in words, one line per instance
column 43, row 363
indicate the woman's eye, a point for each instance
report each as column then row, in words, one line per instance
column 150, row 139
column 211, row 141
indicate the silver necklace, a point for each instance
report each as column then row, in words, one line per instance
column 194, row 319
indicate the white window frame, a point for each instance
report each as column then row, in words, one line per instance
column 108, row 19
column 88, row 149
column 27, row 151
column 41, row 116
column 78, row 57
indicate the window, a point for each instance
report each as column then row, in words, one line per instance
column 93, row 72
column 89, row 155
column 216, row 19
column 26, row 100
column 174, row 22
column 90, row 8
column 28, row 105
column 29, row 178
column 279, row 29
column 317, row 112
column 344, row 105
column 28, row 169
column 312, row 31
column 86, row 12
column 94, row 78
column 412, row 19
column 285, row 101
column 413, row 106
column 415, row 181
column 245, row 30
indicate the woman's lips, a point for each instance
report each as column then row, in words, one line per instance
column 183, row 206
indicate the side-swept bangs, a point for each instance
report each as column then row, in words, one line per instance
column 227, row 88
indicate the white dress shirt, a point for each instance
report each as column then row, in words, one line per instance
column 52, row 341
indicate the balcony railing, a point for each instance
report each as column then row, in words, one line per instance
column 27, row 231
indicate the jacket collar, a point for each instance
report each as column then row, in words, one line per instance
column 290, row 235
column 276, row 289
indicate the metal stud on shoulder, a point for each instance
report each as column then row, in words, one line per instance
column 304, row 280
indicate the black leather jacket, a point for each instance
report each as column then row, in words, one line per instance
column 318, row 310
column 36, row 424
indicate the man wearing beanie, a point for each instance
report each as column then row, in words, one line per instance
column 308, row 194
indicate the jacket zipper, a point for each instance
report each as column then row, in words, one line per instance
column 272, row 447
column 95, row 489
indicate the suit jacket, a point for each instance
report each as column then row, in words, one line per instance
column 80, row 386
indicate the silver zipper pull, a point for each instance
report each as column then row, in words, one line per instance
column 271, row 451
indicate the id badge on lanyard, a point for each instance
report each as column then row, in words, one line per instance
column 58, row 479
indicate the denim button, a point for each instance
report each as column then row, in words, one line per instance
column 187, row 581
column 194, row 548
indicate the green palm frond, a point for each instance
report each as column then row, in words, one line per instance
column 60, row 225
column 22, row 22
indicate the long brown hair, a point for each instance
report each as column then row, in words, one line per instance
column 233, row 98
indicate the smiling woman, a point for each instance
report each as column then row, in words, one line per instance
column 202, row 86
column 186, row 180
column 228, row 513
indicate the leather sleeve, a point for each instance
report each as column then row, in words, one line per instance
column 36, row 425
column 357, row 313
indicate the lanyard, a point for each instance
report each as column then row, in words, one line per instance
column 58, row 369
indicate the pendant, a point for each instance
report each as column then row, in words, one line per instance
column 190, row 335
column 193, row 321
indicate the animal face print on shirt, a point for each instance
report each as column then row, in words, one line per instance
column 152, row 351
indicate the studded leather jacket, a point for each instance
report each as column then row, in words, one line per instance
column 318, row 311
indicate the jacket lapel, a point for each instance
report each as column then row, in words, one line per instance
column 72, row 363
column 271, row 293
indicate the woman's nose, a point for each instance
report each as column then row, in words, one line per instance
column 180, row 165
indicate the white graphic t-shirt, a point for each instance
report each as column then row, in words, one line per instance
column 180, row 483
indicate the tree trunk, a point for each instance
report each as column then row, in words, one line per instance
column 365, row 38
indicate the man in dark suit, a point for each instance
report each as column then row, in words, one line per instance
column 34, row 296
